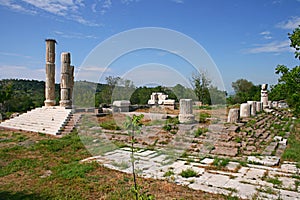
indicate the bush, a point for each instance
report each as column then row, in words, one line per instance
column 203, row 117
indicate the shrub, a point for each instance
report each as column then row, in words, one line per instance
column 203, row 117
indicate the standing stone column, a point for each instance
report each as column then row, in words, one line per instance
column 252, row 107
column 186, row 111
column 65, row 80
column 233, row 115
column 258, row 106
column 71, row 76
column 244, row 110
column 264, row 95
column 50, row 73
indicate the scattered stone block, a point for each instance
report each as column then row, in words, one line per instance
column 252, row 107
column 264, row 160
column 244, row 110
column 226, row 151
column 277, row 138
column 207, row 161
column 233, row 115
column 232, row 166
column 121, row 106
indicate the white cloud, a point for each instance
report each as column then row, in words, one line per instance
column 273, row 47
column 16, row 7
column 73, row 35
column 14, row 55
column 105, row 6
column 69, row 9
column 266, row 35
column 292, row 23
column 21, row 72
column 178, row 1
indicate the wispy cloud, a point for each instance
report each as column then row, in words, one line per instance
column 178, row 1
column 16, row 6
column 292, row 23
column 74, row 35
column 64, row 8
column 273, row 47
column 14, row 55
column 266, row 35
column 22, row 72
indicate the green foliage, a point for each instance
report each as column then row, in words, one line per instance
column 188, row 173
column 22, row 95
column 203, row 117
column 295, row 41
column 244, row 91
column 200, row 131
column 292, row 152
column 201, row 87
column 289, row 86
column 133, row 125
column 171, row 125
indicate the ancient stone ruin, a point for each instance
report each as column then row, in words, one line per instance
column 50, row 119
column 264, row 95
column 186, row 111
column 158, row 98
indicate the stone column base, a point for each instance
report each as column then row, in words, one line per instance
column 65, row 103
column 50, row 103
column 186, row 118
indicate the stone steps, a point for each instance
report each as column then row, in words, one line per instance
column 48, row 120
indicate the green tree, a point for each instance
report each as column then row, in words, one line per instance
column 244, row 91
column 295, row 41
column 289, row 86
column 201, row 86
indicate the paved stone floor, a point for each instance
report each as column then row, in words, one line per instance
column 248, row 181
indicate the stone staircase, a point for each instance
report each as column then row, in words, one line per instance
column 48, row 120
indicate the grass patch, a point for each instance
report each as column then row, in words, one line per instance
column 168, row 173
column 200, row 131
column 188, row 173
column 274, row 181
column 110, row 125
column 220, row 162
column 73, row 170
column 24, row 164
column 291, row 153
column 205, row 107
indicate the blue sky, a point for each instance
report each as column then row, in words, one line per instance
column 245, row 39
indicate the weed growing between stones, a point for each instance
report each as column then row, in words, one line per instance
column 188, row 173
